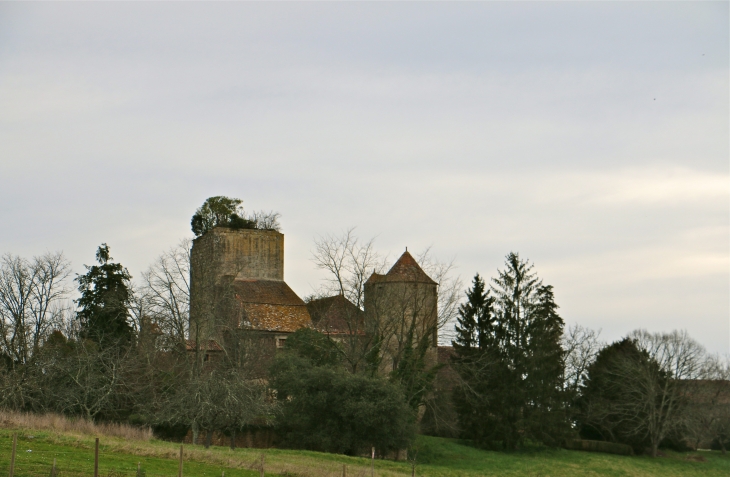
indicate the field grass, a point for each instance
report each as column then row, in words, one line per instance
column 73, row 449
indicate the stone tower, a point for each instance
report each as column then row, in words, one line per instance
column 402, row 305
column 237, row 283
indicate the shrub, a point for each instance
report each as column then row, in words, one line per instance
column 328, row 409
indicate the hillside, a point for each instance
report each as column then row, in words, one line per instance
column 73, row 449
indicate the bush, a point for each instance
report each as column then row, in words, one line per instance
column 328, row 409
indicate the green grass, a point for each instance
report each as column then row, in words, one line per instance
column 445, row 457
column 437, row 458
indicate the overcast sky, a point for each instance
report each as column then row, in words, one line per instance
column 592, row 138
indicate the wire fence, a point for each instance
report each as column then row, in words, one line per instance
column 27, row 460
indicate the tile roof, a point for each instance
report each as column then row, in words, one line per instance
column 272, row 292
column 266, row 317
column 336, row 314
column 405, row 269
column 270, row 305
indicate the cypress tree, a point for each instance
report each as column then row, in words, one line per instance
column 103, row 312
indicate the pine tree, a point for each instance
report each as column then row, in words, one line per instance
column 105, row 298
column 512, row 382
column 472, row 314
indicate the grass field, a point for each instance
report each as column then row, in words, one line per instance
column 119, row 455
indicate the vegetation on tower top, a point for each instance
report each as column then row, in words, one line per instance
column 222, row 211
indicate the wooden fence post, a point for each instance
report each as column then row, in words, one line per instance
column 179, row 468
column 344, row 470
column 54, row 472
column 12, row 455
column 96, row 458
column 263, row 460
column 372, row 463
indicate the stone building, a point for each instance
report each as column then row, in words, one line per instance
column 401, row 306
column 238, row 291
column 237, row 284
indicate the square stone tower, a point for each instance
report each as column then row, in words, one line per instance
column 237, row 283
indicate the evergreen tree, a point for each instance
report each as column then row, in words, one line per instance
column 473, row 316
column 512, row 379
column 105, row 298
column 474, row 362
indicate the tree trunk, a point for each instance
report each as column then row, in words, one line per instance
column 208, row 438
column 722, row 444
column 233, row 439
column 654, row 447
column 196, row 432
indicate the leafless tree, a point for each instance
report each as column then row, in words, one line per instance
column 652, row 395
column 220, row 399
column 81, row 378
column 349, row 262
column 394, row 320
column 581, row 346
column 449, row 292
column 709, row 404
column 266, row 220
column 164, row 296
column 32, row 294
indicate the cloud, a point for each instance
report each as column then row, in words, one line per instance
column 593, row 138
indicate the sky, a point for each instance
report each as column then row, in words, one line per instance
column 591, row 138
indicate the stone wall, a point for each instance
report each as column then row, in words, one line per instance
column 242, row 253
column 217, row 259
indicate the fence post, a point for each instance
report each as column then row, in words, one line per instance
column 413, row 470
column 344, row 470
column 12, row 455
column 54, row 472
column 179, row 468
column 96, row 458
column 372, row 463
column 263, row 460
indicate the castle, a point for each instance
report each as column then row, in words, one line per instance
column 237, row 287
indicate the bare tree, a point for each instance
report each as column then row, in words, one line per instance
column 396, row 320
column 449, row 292
column 81, row 378
column 652, row 394
column 349, row 262
column 165, row 292
column 32, row 294
column 266, row 220
column 223, row 399
column 709, row 405
column 581, row 347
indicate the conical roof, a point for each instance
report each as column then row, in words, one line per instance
column 405, row 269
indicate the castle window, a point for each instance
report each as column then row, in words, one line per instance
column 280, row 342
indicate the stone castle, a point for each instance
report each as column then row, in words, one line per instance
column 237, row 285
